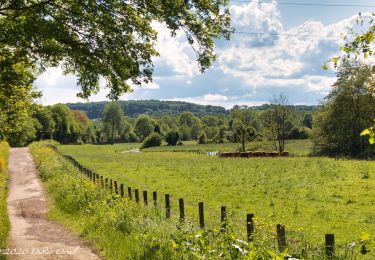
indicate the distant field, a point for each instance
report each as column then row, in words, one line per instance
column 299, row 147
column 313, row 195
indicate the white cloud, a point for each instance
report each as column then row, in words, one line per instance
column 176, row 55
column 214, row 98
column 289, row 60
column 150, row 85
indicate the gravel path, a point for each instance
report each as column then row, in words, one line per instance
column 32, row 235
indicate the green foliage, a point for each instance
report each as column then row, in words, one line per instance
column 347, row 110
column 112, row 39
column 172, row 138
column 4, row 221
column 202, row 139
column 112, row 117
column 370, row 133
column 152, row 140
column 242, row 128
column 64, row 123
column 144, row 126
column 16, row 98
column 46, row 123
column 156, row 108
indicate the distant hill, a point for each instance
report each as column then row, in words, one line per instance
column 133, row 108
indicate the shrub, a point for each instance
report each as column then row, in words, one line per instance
column 180, row 143
column 152, row 140
column 172, row 137
column 202, row 139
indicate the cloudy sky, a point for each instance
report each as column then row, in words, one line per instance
column 251, row 68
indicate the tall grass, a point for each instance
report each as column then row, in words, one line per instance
column 4, row 222
column 120, row 229
column 316, row 195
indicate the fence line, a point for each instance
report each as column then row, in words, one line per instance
column 280, row 229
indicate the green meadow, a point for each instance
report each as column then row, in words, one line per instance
column 311, row 195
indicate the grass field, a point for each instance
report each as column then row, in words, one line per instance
column 299, row 147
column 311, row 195
column 4, row 222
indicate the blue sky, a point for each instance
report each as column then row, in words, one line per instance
column 249, row 70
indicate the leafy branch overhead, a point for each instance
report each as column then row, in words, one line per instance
column 110, row 38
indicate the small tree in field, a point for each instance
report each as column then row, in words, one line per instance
column 152, row 140
column 242, row 128
column 172, row 138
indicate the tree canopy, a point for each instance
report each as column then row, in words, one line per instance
column 114, row 39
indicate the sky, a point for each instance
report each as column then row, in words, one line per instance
column 250, row 69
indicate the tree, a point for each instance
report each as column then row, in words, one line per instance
column 347, row 110
column 172, row 137
column 280, row 114
column 358, row 46
column 112, row 116
column 157, row 129
column 242, row 128
column 47, row 125
column 17, row 97
column 82, row 127
column 152, row 140
column 202, row 139
column 307, row 121
column 64, row 123
column 144, row 126
column 113, row 39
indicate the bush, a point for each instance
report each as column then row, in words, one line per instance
column 172, row 137
column 180, row 143
column 202, row 139
column 152, row 140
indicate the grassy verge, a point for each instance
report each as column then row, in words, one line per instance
column 4, row 221
column 120, row 229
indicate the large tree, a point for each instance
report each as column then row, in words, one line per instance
column 114, row 39
column 144, row 126
column 346, row 111
column 359, row 46
column 17, row 97
column 112, row 117
column 242, row 126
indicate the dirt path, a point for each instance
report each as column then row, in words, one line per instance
column 32, row 235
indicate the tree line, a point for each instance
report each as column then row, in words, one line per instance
column 242, row 125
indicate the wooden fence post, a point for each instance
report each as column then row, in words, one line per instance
column 281, row 239
column 330, row 245
column 116, row 188
column 250, row 226
column 155, row 198
column 201, row 215
column 136, row 195
column 182, row 209
column 106, row 183
column 122, row 190
column 167, row 206
column 145, row 197
column 111, row 185
column 101, row 181
column 130, row 192
column 223, row 216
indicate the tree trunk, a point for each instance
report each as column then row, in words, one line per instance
column 113, row 132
